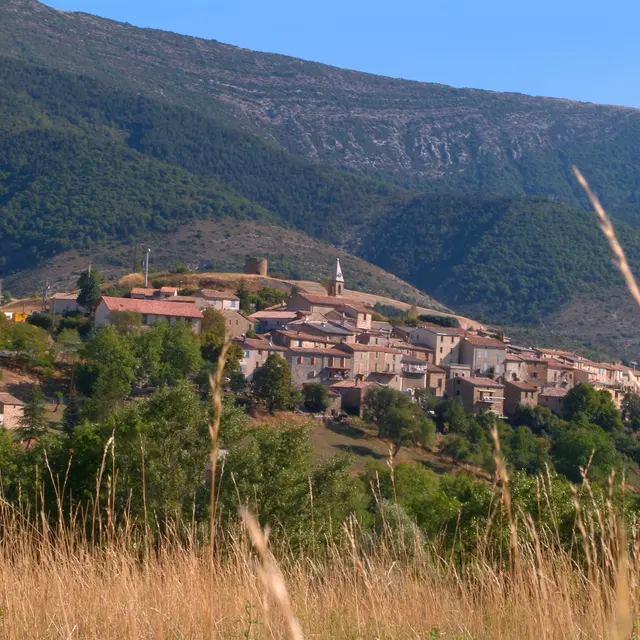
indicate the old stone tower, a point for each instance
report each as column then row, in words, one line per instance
column 336, row 284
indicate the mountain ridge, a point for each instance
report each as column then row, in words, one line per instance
column 509, row 258
column 403, row 130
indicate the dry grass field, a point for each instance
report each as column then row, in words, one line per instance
column 58, row 584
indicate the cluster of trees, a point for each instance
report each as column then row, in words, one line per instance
column 398, row 418
column 160, row 444
column 592, row 435
column 159, row 451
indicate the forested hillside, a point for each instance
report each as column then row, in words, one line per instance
column 98, row 155
column 416, row 134
column 510, row 260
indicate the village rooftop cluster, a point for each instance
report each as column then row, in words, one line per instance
column 334, row 340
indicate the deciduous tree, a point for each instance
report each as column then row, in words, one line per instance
column 272, row 383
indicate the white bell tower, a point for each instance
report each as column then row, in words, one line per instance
column 336, row 284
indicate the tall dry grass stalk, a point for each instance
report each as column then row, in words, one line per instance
column 55, row 584
column 215, row 385
column 609, row 233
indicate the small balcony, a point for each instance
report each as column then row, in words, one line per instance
column 414, row 369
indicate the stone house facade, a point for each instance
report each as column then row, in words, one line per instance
column 444, row 342
column 372, row 363
column 235, row 323
column 517, row 393
column 219, row 300
column 11, row 410
column 553, row 398
column 326, row 366
column 478, row 395
column 484, row 355
column 255, row 352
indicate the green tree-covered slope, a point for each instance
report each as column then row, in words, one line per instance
column 507, row 260
column 83, row 163
column 417, row 134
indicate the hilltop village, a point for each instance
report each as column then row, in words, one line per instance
column 342, row 343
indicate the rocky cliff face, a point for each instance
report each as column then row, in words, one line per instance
column 410, row 130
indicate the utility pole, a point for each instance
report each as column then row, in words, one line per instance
column 89, row 270
column 146, row 269
column 45, row 291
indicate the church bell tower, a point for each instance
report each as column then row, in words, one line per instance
column 336, row 284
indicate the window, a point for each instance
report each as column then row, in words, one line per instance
column 439, row 383
column 300, row 360
column 299, row 343
column 259, row 352
column 313, row 360
column 451, row 339
column 458, row 392
column 247, row 354
column 441, row 350
column 534, row 375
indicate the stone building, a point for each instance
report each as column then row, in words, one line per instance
column 478, row 395
column 517, row 392
column 10, row 411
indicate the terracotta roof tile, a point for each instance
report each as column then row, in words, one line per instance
column 432, row 368
column 369, row 347
column 64, row 296
column 352, row 384
column 523, row 386
column 321, row 351
column 329, row 301
column 274, row 315
column 483, row 382
column 486, row 342
column 153, row 307
column 7, row 398
column 554, row 392
column 258, row 343
column 212, row 294
column 142, row 291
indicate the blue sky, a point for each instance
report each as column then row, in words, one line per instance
column 578, row 50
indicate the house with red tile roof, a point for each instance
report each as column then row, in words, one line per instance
column 149, row 293
column 443, row 341
column 553, row 398
column 319, row 364
column 150, row 310
column 353, row 393
column 60, row 303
